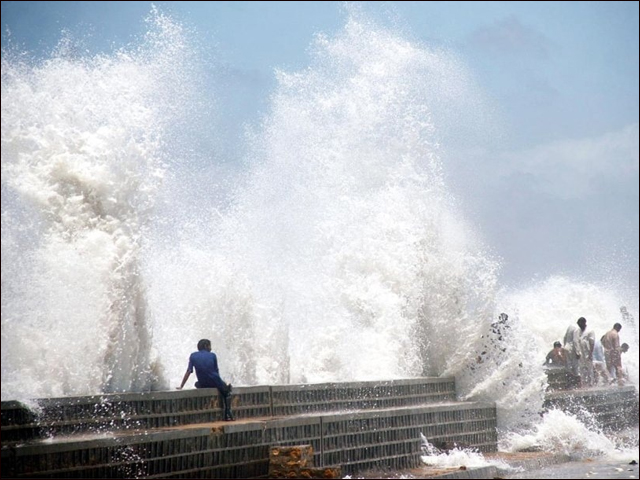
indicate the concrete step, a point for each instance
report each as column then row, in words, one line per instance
column 148, row 410
column 359, row 426
column 610, row 408
column 101, row 413
column 355, row 440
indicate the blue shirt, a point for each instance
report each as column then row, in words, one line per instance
column 598, row 352
column 206, row 364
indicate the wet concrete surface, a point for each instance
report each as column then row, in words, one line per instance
column 582, row 469
column 531, row 465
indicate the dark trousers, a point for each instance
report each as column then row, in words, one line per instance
column 217, row 383
column 225, row 394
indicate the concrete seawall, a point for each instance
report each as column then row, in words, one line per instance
column 609, row 408
column 358, row 426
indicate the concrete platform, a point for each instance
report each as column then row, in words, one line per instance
column 359, row 426
column 99, row 413
column 516, row 461
column 609, row 408
column 356, row 440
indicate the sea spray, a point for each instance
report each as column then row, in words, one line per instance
column 563, row 433
column 343, row 255
column 82, row 160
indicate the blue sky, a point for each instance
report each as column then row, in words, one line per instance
column 556, row 187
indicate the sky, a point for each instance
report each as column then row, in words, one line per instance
column 551, row 182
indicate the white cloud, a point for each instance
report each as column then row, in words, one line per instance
column 571, row 168
column 510, row 36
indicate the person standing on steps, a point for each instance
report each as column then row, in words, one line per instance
column 587, row 344
column 601, row 375
column 206, row 364
column 611, row 344
column 572, row 340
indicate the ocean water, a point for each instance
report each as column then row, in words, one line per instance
column 335, row 251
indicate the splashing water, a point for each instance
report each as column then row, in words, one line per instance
column 81, row 163
column 339, row 254
column 563, row 433
column 342, row 253
column 456, row 457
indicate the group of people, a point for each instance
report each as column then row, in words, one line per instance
column 589, row 361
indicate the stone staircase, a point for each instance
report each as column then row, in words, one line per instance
column 179, row 434
column 609, row 408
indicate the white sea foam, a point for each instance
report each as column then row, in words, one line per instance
column 456, row 457
column 563, row 433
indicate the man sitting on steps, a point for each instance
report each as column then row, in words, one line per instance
column 206, row 365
